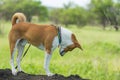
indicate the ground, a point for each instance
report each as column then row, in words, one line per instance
column 5, row 74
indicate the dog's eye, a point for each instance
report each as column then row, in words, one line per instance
column 71, row 47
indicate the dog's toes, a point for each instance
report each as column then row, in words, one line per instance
column 50, row 74
column 14, row 72
column 19, row 70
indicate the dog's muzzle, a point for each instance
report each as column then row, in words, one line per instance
column 62, row 53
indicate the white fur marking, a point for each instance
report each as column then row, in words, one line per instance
column 14, row 71
column 55, row 43
column 17, row 21
column 46, row 64
column 41, row 47
column 66, row 38
column 20, row 48
column 66, row 41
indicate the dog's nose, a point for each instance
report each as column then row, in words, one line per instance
column 62, row 53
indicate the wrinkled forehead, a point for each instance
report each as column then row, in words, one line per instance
column 69, row 41
column 70, row 45
column 66, row 37
column 74, row 43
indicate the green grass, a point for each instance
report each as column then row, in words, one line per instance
column 99, row 61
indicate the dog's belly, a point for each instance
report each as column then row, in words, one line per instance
column 41, row 47
column 55, row 44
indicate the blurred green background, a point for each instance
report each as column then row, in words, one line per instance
column 96, row 27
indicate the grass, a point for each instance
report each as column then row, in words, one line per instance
column 99, row 60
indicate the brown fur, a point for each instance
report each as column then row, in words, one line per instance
column 75, row 45
column 35, row 34
column 19, row 16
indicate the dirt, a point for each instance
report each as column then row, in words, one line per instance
column 5, row 74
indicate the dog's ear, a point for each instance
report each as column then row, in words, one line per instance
column 75, row 41
column 79, row 46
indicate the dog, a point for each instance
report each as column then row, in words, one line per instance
column 43, row 36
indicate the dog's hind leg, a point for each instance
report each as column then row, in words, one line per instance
column 20, row 48
column 46, row 64
column 13, row 47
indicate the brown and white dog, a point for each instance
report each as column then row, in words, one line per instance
column 44, row 37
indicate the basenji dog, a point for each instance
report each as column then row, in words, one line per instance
column 42, row 36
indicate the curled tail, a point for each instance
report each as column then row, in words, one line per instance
column 18, row 17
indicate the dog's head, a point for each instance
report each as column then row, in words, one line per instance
column 69, row 45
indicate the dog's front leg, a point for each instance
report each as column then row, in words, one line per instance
column 46, row 64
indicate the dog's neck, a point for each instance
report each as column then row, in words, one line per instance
column 66, row 39
column 59, row 35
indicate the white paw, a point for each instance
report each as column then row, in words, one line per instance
column 50, row 74
column 19, row 70
column 14, row 72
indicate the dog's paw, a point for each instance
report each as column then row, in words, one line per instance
column 19, row 70
column 14, row 72
column 50, row 74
